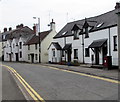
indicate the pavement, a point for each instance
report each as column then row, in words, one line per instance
column 111, row 74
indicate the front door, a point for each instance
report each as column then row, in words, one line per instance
column 32, row 58
column 97, row 56
column 69, row 55
column 17, row 56
column 10, row 57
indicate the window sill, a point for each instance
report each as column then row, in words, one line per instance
column 115, row 50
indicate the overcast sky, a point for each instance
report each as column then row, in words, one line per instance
column 14, row 12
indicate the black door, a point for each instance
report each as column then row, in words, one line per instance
column 32, row 58
column 17, row 57
column 104, row 51
column 69, row 55
column 96, row 56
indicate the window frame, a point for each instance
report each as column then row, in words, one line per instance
column 36, row 56
column 36, row 47
column 28, row 47
column 87, row 52
column 20, row 45
column 53, row 52
column 76, row 34
column 115, row 43
column 20, row 54
column 75, row 53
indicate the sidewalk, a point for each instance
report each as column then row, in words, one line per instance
column 112, row 74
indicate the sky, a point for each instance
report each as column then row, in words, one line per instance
column 14, row 12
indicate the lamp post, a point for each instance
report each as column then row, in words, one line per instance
column 38, row 29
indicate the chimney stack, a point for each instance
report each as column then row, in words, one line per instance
column 10, row 29
column 5, row 29
column 117, row 5
column 19, row 26
column 34, row 29
column 52, row 25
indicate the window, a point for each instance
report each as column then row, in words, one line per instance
column 115, row 43
column 7, row 55
column 16, row 44
column 13, row 45
column 28, row 56
column 53, row 52
column 20, row 44
column 20, row 54
column 28, row 47
column 36, row 46
column 87, row 53
column 86, row 33
column 63, row 54
column 75, row 53
column 36, row 57
column 76, row 34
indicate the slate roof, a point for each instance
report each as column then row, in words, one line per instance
column 56, row 45
column 24, row 32
column 35, row 39
column 106, row 20
column 97, row 43
column 67, row 46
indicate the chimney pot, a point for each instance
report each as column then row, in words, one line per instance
column 10, row 29
column 5, row 29
column 117, row 5
column 34, row 29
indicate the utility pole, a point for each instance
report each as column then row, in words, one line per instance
column 39, row 38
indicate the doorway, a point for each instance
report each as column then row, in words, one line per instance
column 97, row 56
column 17, row 57
column 69, row 55
column 32, row 58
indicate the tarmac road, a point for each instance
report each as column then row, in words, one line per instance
column 10, row 90
column 54, row 84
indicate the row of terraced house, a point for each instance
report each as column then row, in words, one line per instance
column 91, row 40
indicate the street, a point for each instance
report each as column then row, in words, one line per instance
column 52, row 84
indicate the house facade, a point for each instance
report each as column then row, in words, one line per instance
column 13, row 41
column 89, row 40
column 34, row 54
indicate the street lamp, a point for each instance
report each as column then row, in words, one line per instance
column 38, row 29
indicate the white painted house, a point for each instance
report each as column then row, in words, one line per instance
column 89, row 40
column 13, row 43
column 34, row 54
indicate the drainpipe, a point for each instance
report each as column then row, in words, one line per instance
column 64, row 45
column 109, row 42
column 118, row 26
column 83, row 47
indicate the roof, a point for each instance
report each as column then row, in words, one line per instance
column 67, row 47
column 24, row 32
column 56, row 45
column 97, row 43
column 35, row 39
column 93, row 22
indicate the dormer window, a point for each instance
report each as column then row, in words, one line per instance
column 86, row 33
column 76, row 34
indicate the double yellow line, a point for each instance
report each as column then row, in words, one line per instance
column 36, row 97
column 83, row 74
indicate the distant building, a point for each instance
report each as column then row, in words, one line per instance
column 32, row 45
column 13, row 41
column 89, row 40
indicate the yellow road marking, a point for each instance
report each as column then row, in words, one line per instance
column 26, row 85
column 82, row 74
